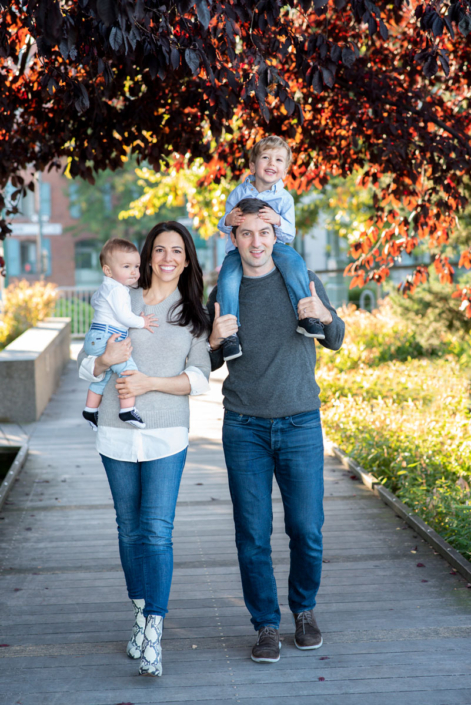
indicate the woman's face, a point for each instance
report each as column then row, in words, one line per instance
column 168, row 257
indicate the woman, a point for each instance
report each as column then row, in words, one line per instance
column 144, row 467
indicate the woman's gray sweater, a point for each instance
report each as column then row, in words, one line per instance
column 164, row 353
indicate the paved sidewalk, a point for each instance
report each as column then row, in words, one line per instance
column 394, row 632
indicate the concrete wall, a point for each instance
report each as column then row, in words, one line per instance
column 31, row 368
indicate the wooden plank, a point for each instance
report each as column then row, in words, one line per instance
column 65, row 613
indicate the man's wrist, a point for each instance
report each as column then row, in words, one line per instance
column 213, row 345
column 327, row 319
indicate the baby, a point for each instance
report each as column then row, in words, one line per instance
column 120, row 262
column 269, row 162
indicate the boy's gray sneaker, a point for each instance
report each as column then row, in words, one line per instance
column 311, row 328
column 231, row 347
column 307, row 634
column 267, row 648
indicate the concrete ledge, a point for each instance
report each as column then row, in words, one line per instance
column 31, row 368
column 13, row 473
column 442, row 547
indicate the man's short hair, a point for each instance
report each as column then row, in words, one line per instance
column 271, row 142
column 116, row 244
column 248, row 206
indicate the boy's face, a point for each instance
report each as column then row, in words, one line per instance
column 270, row 166
column 123, row 267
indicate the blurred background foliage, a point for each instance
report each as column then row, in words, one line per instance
column 24, row 305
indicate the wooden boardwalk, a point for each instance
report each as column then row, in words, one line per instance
column 394, row 632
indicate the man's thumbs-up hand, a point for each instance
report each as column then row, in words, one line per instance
column 312, row 307
column 223, row 327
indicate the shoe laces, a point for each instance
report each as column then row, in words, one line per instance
column 266, row 634
column 304, row 618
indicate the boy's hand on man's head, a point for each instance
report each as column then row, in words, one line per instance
column 269, row 216
column 235, row 217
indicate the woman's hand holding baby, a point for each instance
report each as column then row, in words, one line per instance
column 115, row 353
column 133, row 384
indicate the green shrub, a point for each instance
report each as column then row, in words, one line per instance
column 408, row 423
column 80, row 312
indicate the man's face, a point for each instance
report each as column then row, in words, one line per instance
column 254, row 239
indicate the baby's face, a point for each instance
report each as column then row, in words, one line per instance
column 123, row 267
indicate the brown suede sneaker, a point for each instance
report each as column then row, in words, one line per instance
column 307, row 635
column 267, row 648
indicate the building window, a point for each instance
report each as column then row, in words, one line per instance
column 87, row 263
column 28, row 257
column 28, row 260
column 75, row 209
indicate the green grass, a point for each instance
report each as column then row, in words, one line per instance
column 406, row 421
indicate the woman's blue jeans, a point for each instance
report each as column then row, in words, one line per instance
column 145, row 498
column 291, row 448
column 292, row 268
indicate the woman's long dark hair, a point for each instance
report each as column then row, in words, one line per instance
column 190, row 285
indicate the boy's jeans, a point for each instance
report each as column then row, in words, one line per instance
column 95, row 344
column 290, row 448
column 292, row 268
column 145, row 496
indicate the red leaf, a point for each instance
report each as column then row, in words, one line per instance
column 321, row 678
column 424, row 581
column 1, row 645
column 421, row 565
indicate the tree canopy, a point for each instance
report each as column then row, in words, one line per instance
column 381, row 87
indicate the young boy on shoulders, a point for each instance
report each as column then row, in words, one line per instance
column 269, row 162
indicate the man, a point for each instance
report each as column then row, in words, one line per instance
column 272, row 427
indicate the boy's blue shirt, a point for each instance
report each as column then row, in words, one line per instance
column 277, row 197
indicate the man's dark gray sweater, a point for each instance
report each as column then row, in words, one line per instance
column 275, row 375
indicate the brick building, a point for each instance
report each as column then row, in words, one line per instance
column 70, row 255
column 60, row 247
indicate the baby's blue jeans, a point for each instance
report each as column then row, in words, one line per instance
column 292, row 268
column 95, row 344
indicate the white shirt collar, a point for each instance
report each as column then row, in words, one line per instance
column 274, row 187
column 110, row 283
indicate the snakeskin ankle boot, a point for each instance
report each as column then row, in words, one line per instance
column 151, row 656
column 134, row 646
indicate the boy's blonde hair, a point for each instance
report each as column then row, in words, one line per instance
column 116, row 244
column 271, row 142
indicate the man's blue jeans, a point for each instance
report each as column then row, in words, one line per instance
column 145, row 497
column 292, row 268
column 290, row 448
